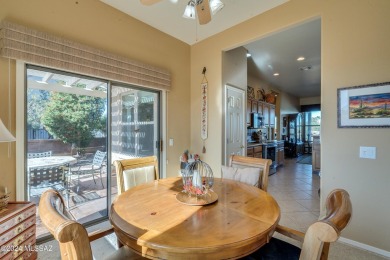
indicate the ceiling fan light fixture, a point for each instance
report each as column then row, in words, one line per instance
column 216, row 6
column 189, row 12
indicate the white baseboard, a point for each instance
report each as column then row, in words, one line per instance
column 364, row 247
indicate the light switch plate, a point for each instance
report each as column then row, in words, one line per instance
column 367, row 152
column 171, row 142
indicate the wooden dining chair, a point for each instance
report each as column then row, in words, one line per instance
column 135, row 171
column 237, row 161
column 316, row 241
column 72, row 237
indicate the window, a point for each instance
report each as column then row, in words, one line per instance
column 312, row 125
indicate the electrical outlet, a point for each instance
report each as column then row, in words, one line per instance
column 367, row 152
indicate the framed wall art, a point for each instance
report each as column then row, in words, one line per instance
column 364, row 106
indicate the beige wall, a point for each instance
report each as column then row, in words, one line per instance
column 355, row 50
column 310, row 101
column 93, row 23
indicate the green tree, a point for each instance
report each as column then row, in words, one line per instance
column 36, row 103
column 74, row 118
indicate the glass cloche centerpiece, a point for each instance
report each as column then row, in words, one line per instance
column 198, row 180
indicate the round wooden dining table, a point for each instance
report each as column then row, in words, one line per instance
column 150, row 219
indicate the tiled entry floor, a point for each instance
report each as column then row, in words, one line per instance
column 295, row 188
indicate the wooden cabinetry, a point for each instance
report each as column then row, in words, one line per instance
column 17, row 231
column 272, row 115
column 316, row 154
column 258, row 151
column 280, row 153
column 266, row 114
column 265, row 109
column 255, row 151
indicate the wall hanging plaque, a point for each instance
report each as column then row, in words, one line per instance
column 203, row 116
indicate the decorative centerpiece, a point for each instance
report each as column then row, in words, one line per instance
column 198, row 180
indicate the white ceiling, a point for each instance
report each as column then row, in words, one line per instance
column 278, row 53
column 275, row 53
column 166, row 16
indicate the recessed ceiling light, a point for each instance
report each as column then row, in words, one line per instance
column 301, row 58
column 276, row 74
column 248, row 54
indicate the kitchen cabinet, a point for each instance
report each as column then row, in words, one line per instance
column 251, row 107
column 255, row 151
column 272, row 115
column 260, row 107
column 280, row 153
column 265, row 109
column 258, row 151
column 316, row 154
column 248, row 111
column 266, row 114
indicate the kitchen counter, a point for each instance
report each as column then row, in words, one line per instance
column 273, row 150
column 268, row 143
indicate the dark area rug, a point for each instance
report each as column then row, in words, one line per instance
column 304, row 159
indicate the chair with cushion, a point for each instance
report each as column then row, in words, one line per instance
column 72, row 237
column 135, row 171
column 318, row 236
column 250, row 170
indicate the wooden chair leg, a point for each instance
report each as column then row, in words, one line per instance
column 325, row 251
column 119, row 243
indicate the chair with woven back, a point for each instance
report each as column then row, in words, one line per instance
column 72, row 237
column 319, row 235
column 135, row 171
column 39, row 155
column 84, row 167
column 253, row 171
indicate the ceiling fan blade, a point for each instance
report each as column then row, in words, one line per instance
column 203, row 11
column 149, row 2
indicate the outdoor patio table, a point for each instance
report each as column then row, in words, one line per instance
column 149, row 219
column 51, row 161
column 39, row 166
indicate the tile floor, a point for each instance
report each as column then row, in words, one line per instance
column 295, row 188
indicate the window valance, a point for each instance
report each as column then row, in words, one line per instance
column 22, row 43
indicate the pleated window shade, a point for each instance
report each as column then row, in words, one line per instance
column 22, row 43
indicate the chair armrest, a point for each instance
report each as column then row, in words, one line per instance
column 292, row 233
column 100, row 233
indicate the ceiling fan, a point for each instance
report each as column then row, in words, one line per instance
column 203, row 9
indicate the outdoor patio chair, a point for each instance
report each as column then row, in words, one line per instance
column 41, row 179
column 38, row 155
column 84, row 167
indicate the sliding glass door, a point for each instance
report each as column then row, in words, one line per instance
column 135, row 123
column 69, row 144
